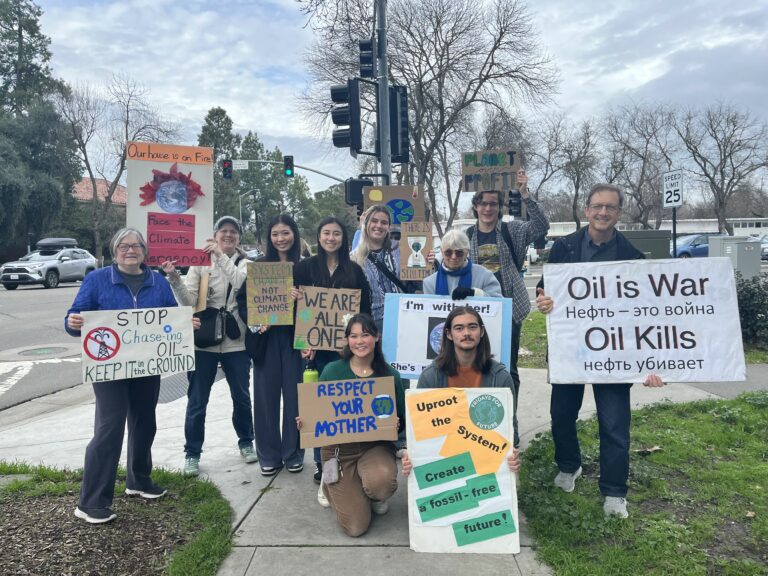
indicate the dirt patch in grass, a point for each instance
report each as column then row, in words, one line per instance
column 40, row 535
column 733, row 540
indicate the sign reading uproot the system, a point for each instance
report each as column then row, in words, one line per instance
column 461, row 494
column 621, row 321
column 269, row 293
column 321, row 317
column 413, row 328
column 120, row 344
column 170, row 199
column 347, row 411
column 415, row 244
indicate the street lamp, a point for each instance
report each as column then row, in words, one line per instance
column 240, row 200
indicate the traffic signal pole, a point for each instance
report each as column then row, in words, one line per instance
column 384, row 135
column 307, row 168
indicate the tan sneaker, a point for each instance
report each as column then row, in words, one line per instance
column 566, row 481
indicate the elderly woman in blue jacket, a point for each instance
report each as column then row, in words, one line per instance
column 128, row 283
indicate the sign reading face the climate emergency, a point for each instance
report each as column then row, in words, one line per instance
column 120, row 344
column 461, row 494
column 347, row 411
column 621, row 321
column 170, row 199
column 321, row 317
column 268, row 291
column 413, row 328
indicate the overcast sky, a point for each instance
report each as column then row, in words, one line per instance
column 247, row 57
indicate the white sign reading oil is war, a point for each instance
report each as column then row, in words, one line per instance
column 461, row 493
column 170, row 199
column 120, row 344
column 490, row 170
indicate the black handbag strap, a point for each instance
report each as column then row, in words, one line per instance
column 388, row 273
column 229, row 284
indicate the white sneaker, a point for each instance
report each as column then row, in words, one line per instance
column 380, row 508
column 615, row 506
column 321, row 499
column 566, row 481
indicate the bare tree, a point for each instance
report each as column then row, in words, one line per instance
column 641, row 147
column 456, row 58
column 102, row 124
column 726, row 147
column 545, row 152
column 579, row 168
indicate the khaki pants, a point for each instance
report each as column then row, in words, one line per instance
column 368, row 472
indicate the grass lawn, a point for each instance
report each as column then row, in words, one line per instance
column 187, row 532
column 698, row 496
column 534, row 339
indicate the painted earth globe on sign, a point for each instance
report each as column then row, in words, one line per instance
column 401, row 210
column 436, row 337
column 172, row 197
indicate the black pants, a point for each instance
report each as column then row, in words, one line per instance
column 516, row 328
column 133, row 400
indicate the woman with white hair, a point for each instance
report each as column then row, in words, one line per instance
column 457, row 276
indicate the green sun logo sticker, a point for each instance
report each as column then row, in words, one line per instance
column 486, row 412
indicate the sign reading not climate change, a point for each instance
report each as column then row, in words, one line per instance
column 347, row 411
column 120, row 344
column 268, row 290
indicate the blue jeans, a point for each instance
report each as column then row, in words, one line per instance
column 236, row 366
column 613, row 417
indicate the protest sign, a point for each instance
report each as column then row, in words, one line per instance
column 490, row 170
column 170, row 200
column 321, row 317
column 120, row 344
column 413, row 328
column 461, row 495
column 405, row 203
column 621, row 321
column 268, row 291
column 347, row 411
column 415, row 244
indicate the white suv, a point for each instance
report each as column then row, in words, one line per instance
column 48, row 267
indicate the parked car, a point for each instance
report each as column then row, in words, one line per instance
column 692, row 245
column 254, row 254
column 48, row 267
column 764, row 246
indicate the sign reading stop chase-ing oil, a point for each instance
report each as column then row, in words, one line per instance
column 461, row 494
column 347, row 411
column 120, row 344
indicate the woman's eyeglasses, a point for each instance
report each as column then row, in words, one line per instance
column 451, row 253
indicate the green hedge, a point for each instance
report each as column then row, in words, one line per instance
column 753, row 309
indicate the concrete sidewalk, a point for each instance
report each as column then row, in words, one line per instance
column 278, row 525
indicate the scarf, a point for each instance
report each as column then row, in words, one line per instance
column 464, row 274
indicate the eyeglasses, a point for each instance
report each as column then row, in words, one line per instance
column 488, row 204
column 610, row 208
column 125, row 247
column 461, row 327
column 451, row 253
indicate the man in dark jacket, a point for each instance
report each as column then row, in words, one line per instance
column 597, row 242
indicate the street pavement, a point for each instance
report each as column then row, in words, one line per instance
column 278, row 526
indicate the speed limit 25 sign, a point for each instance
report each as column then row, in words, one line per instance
column 673, row 188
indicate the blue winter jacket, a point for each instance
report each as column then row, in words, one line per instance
column 104, row 289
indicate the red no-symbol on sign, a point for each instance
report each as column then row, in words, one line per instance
column 101, row 344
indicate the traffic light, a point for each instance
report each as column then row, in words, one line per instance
column 226, row 169
column 398, row 124
column 515, row 204
column 353, row 192
column 346, row 115
column 367, row 58
column 288, row 166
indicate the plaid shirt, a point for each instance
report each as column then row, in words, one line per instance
column 522, row 234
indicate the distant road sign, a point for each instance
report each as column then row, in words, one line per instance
column 240, row 164
column 673, row 188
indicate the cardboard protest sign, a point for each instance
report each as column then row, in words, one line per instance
column 120, row 344
column 405, row 203
column 490, row 170
column 347, row 411
column 621, row 321
column 413, row 328
column 268, row 291
column 321, row 317
column 415, row 244
column 170, row 199
column 461, row 495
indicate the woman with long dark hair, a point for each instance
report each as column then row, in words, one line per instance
column 368, row 470
column 279, row 376
column 331, row 268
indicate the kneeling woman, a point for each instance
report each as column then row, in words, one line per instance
column 368, row 475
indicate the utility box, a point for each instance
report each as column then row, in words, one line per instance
column 718, row 245
column 745, row 257
column 653, row 243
